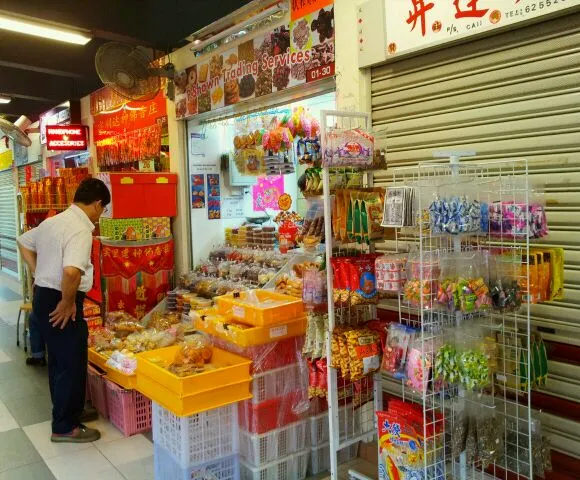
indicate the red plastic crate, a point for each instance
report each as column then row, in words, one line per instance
column 268, row 356
column 129, row 411
column 272, row 414
column 96, row 381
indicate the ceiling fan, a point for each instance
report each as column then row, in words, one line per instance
column 15, row 131
column 129, row 71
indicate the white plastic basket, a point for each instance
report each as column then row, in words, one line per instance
column 166, row 468
column 279, row 382
column 349, row 425
column 257, row 450
column 293, row 467
column 320, row 457
column 199, row 438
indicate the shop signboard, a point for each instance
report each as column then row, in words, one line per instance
column 301, row 8
column 129, row 117
column 412, row 25
column 67, row 137
column 289, row 56
column 60, row 115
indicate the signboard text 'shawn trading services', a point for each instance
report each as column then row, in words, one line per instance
column 290, row 55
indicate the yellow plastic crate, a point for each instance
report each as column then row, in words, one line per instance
column 244, row 336
column 192, row 404
column 126, row 381
column 229, row 369
column 97, row 359
column 114, row 375
column 273, row 308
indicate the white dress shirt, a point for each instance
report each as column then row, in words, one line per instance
column 64, row 240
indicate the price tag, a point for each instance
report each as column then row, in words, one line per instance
column 239, row 312
column 280, row 331
column 318, row 73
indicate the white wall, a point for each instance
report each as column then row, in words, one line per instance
column 353, row 85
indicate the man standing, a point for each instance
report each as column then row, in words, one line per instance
column 58, row 253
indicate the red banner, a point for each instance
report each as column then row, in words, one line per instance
column 128, row 261
column 129, row 117
column 96, row 293
column 137, row 295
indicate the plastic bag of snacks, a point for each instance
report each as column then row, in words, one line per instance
column 192, row 356
column 455, row 214
column 490, row 436
column 505, row 282
column 422, row 281
column 418, row 367
column 473, row 360
column 316, row 333
column 390, row 272
column 122, row 324
column 363, row 351
column 396, row 347
column 348, row 147
column 467, row 292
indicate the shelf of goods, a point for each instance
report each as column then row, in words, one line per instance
column 352, row 349
column 462, row 351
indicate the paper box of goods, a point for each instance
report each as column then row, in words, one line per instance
column 244, row 335
column 135, row 229
column 139, row 195
column 260, row 307
column 193, row 377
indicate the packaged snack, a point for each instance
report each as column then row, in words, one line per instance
column 505, row 287
column 455, row 215
column 395, row 352
column 490, row 436
column 364, row 352
column 401, row 448
column 348, row 147
column 192, row 356
column 418, row 367
column 390, row 272
column 422, row 281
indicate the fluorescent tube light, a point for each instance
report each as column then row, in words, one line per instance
column 4, row 99
column 43, row 30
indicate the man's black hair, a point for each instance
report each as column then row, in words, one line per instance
column 92, row 190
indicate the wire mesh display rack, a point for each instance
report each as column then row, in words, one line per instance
column 351, row 405
column 507, row 394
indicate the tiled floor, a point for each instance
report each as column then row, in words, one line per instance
column 26, row 452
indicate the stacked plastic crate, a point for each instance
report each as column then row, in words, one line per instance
column 204, row 445
column 274, row 434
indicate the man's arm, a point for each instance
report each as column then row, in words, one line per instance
column 27, row 247
column 76, row 258
column 29, row 257
column 66, row 309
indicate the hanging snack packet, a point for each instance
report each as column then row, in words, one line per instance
column 365, row 291
column 418, row 367
column 400, row 448
column 374, row 211
column 395, row 352
column 363, row 351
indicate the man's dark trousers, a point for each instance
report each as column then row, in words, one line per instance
column 67, row 359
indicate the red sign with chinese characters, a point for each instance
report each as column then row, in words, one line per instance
column 130, row 117
column 301, row 8
column 67, row 137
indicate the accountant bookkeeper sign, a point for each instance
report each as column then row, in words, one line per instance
column 412, row 25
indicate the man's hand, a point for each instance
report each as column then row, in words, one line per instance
column 63, row 313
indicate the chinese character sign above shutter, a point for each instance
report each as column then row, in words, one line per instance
column 416, row 24
column 291, row 55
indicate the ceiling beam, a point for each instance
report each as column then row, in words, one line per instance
column 20, row 106
column 38, row 86
column 38, row 55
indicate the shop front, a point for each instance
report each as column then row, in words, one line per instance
column 245, row 103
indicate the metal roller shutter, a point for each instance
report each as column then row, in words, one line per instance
column 21, row 172
column 513, row 95
column 8, row 250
